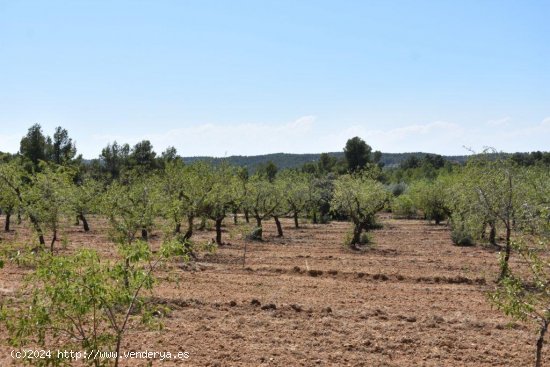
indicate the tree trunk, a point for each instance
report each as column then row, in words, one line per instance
column 203, row 224
column 178, row 228
column 19, row 219
column 356, row 239
column 144, row 234
column 126, row 268
column 540, row 343
column 504, row 265
column 84, row 223
column 38, row 230
column 219, row 231
column 314, row 218
column 296, row 224
column 279, row 227
column 235, row 217
column 54, row 238
column 258, row 221
column 492, row 234
column 7, row 224
column 246, row 216
column 189, row 232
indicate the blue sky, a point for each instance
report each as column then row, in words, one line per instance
column 251, row 77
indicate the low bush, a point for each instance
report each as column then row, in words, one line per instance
column 403, row 207
column 461, row 237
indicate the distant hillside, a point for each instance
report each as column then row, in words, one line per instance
column 287, row 160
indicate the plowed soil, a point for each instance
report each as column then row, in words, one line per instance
column 413, row 299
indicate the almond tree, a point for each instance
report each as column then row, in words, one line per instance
column 172, row 188
column 527, row 297
column 431, row 198
column 222, row 194
column 84, row 199
column 282, row 208
column 15, row 181
column 46, row 199
column 9, row 202
column 295, row 187
column 130, row 208
column 262, row 199
column 197, row 183
column 82, row 302
column 359, row 197
column 497, row 184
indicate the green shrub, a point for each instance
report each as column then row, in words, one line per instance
column 403, row 207
column 366, row 239
column 461, row 237
column 397, row 189
column 255, row 234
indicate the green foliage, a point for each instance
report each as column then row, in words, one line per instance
column 526, row 294
column 62, row 149
column 359, row 197
column 431, row 198
column 131, row 207
column 365, row 239
column 267, row 171
column 84, row 197
column 263, row 198
column 398, row 188
column 298, row 191
column 9, row 202
column 79, row 302
column 461, row 237
column 114, row 158
column 33, row 145
column 403, row 207
column 357, row 153
column 143, row 156
column 36, row 147
column 532, row 213
column 46, row 199
column 255, row 234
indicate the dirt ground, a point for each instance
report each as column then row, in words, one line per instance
column 413, row 299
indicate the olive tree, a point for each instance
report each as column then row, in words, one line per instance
column 359, row 197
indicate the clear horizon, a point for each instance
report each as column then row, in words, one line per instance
column 248, row 78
